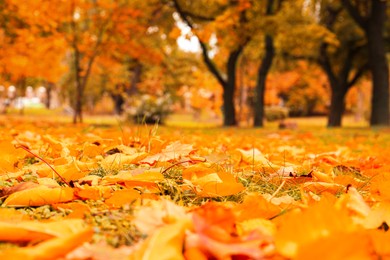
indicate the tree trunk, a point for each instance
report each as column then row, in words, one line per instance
column 229, row 88
column 135, row 79
column 264, row 68
column 337, row 106
column 78, row 107
column 49, row 89
column 378, row 64
column 373, row 26
column 118, row 99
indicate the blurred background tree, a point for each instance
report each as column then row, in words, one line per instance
column 230, row 58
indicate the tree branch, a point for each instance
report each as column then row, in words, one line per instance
column 353, row 11
column 324, row 62
column 205, row 54
column 199, row 16
column 352, row 52
column 359, row 73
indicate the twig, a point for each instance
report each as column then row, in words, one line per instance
column 278, row 189
column 181, row 162
column 43, row 160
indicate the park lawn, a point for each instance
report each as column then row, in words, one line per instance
column 120, row 191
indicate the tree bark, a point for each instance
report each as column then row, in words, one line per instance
column 49, row 90
column 373, row 26
column 380, row 114
column 135, row 79
column 78, row 106
column 229, row 88
column 337, row 107
column 264, row 68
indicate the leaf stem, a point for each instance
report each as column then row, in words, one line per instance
column 43, row 160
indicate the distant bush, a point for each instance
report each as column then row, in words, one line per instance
column 148, row 109
column 275, row 113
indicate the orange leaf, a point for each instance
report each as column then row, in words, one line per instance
column 215, row 233
column 117, row 160
column 380, row 241
column 318, row 221
column 147, row 176
column 35, row 231
column 165, row 243
column 217, row 184
column 50, row 249
column 11, row 214
column 18, row 187
column 194, row 253
column 8, row 157
column 122, row 197
column 355, row 245
column 173, row 151
column 320, row 187
column 93, row 192
column 256, row 206
column 197, row 170
column 41, row 195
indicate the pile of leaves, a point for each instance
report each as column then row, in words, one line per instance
column 149, row 193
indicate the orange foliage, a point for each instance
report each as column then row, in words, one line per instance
column 222, row 196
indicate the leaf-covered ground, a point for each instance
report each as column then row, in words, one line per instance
column 161, row 193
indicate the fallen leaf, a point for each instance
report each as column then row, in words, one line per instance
column 50, row 249
column 122, row 197
column 165, row 243
column 321, row 220
column 37, row 231
column 93, row 192
column 38, row 196
column 320, row 187
column 173, row 151
column 217, row 184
